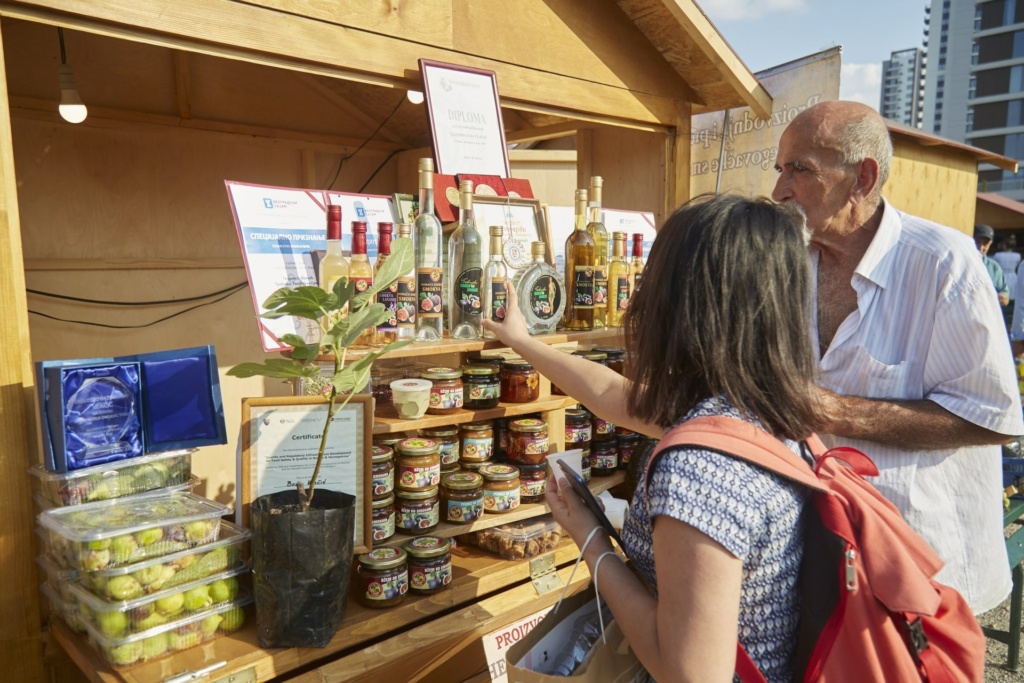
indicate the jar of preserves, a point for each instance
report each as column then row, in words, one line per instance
column 527, row 440
column 601, row 430
column 445, row 390
column 481, row 387
column 604, row 458
column 447, row 439
column 477, row 441
column 389, row 440
column 585, row 464
column 383, row 577
column 416, row 512
column 478, row 358
column 448, row 469
column 418, row 464
column 533, row 482
column 383, row 470
column 383, row 518
column 430, row 564
column 615, row 358
column 462, row 497
column 628, row 445
column 520, row 383
column 599, row 357
column 577, row 429
column 501, row 488
column 469, row 466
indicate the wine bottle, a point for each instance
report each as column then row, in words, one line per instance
column 579, row 271
column 360, row 272
column 387, row 331
column 495, row 297
column 541, row 292
column 596, row 229
column 618, row 281
column 636, row 266
column 429, row 277
column 405, row 294
column 333, row 266
column 464, row 274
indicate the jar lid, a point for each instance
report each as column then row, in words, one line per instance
column 516, row 364
column 391, row 441
column 422, row 494
column 462, row 481
column 383, row 558
column 469, row 465
column 382, row 453
column 479, row 370
column 610, row 351
column 426, row 546
column 417, row 446
column 622, row 431
column 592, row 355
column 411, row 385
column 383, row 501
column 477, row 426
column 439, row 431
column 531, row 467
column 441, row 373
column 499, row 472
column 577, row 414
column 632, row 436
column 528, row 424
column 604, row 446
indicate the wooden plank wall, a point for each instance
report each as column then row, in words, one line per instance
column 936, row 183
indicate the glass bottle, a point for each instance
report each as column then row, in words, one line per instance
column 429, row 279
column 579, row 271
column 464, row 274
column 636, row 266
column 360, row 272
column 618, row 281
column 387, row 331
column 405, row 293
column 334, row 266
column 596, row 228
column 492, row 287
column 541, row 293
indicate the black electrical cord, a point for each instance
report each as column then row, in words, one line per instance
column 161, row 302
column 341, row 163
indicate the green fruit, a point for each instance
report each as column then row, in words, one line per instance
column 196, row 532
column 154, row 646
column 151, row 476
column 124, row 548
column 179, row 641
column 113, row 623
column 104, row 490
column 209, row 624
column 214, row 561
column 233, row 620
column 126, row 654
column 172, row 604
column 166, row 573
column 148, row 576
column 198, row 598
column 185, row 562
column 223, row 590
column 153, row 620
column 149, row 536
column 96, row 559
column 124, row 588
column 103, row 544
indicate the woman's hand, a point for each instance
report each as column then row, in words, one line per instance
column 513, row 330
column 571, row 513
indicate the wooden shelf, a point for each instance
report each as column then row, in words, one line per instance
column 390, row 423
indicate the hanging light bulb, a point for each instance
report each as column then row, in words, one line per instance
column 414, row 96
column 71, row 107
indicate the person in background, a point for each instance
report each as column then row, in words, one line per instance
column 719, row 328
column 983, row 236
column 1008, row 258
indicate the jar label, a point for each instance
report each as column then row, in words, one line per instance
column 477, row 449
column 445, row 398
column 405, row 296
column 501, row 501
column 419, row 477
column 484, row 392
column 499, row 299
column 533, row 487
column 464, row 510
column 535, row 446
column 429, row 578
column 577, row 434
column 384, row 483
column 545, row 297
column 389, row 297
column 622, row 292
column 602, row 427
column 384, row 528
column 605, row 462
column 387, row 587
column 467, row 289
column 449, row 452
column 420, row 517
column 428, row 292
column 583, row 287
column 625, row 454
column 600, row 286
column 361, row 283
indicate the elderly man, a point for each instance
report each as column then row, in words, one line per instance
column 915, row 364
column 983, row 236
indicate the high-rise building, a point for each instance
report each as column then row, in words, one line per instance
column 903, row 87
column 949, row 33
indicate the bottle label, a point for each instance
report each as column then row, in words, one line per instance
column 384, row 528
column 465, row 510
column 388, row 587
column 405, row 300
column 445, row 397
column 428, row 291
column 577, row 434
column 622, row 292
column 361, row 283
column 545, row 297
column 420, row 517
column 603, row 427
column 637, row 277
column 501, row 501
column 389, row 298
column 429, row 578
column 449, row 452
column 499, row 298
column 467, row 290
column 605, row 461
column 419, row 477
column 533, row 487
column 483, row 392
column 601, row 285
column 477, row 449
column 583, row 291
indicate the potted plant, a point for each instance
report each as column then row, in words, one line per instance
column 301, row 543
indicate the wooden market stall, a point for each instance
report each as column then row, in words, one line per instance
column 130, row 206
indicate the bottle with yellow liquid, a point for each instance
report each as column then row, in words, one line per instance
column 334, row 266
column 596, row 229
column 579, row 271
column 492, row 286
column 406, row 305
column 387, row 331
column 618, row 281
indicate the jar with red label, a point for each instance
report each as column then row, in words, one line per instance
column 601, row 430
column 383, row 518
column 445, row 390
column 447, row 439
column 604, row 458
column 533, row 482
column 462, row 497
column 481, row 387
column 416, row 512
column 382, row 577
column 615, row 358
column 430, row 564
column 476, row 439
column 501, row 488
column 520, row 383
column 628, row 444
column 527, row 440
column 383, row 470
column 577, row 429
column 418, row 464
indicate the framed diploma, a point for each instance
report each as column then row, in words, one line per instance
column 523, row 220
column 465, row 119
column 280, row 441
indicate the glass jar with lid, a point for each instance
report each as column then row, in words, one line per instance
column 383, row 518
column 476, row 439
column 533, row 481
column 599, row 357
column 601, row 429
column 469, row 466
column 478, row 358
column 389, row 440
column 501, row 488
column 383, row 477
column 481, row 386
column 445, row 390
column 430, row 564
column 383, row 577
column 418, row 465
column 520, row 382
column 416, row 512
column 462, row 497
column 527, row 440
column 447, row 439
column 628, row 445
column 577, row 429
column 585, row 464
column 604, row 458
column 615, row 357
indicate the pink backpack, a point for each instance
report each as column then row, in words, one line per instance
column 870, row 609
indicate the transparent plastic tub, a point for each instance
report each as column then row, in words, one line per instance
column 43, row 503
column 116, row 619
column 59, row 579
column 173, row 636
column 118, row 532
column 159, row 573
column 114, row 480
column 518, row 540
column 65, row 609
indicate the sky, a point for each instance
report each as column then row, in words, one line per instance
column 767, row 33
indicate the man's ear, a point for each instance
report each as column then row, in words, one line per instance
column 867, row 180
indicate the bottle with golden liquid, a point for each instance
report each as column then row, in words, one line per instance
column 405, row 294
column 334, row 266
column 618, row 281
column 360, row 272
column 596, row 228
column 492, row 285
column 636, row 266
column 387, row 331
column 579, row 271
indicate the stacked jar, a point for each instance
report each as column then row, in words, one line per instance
column 447, row 439
column 481, row 387
column 418, row 467
column 527, row 441
column 615, row 357
column 501, row 488
column 628, row 443
column 462, row 497
column 446, row 393
column 520, row 382
column 604, row 449
column 383, row 493
column 476, row 441
column 382, row 577
column 578, row 434
column 430, row 564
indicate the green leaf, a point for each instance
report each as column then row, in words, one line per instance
column 301, row 351
column 281, row 368
column 398, row 264
column 349, row 329
column 342, row 294
column 301, row 302
column 344, row 381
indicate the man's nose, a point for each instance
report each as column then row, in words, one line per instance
column 781, row 191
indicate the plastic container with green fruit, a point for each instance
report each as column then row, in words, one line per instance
column 58, row 578
column 114, row 480
column 119, row 532
column 43, row 504
column 173, row 636
column 65, row 609
column 123, row 617
column 159, row 573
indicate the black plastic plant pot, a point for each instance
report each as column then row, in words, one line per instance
column 302, row 563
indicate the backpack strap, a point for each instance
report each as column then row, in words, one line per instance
column 746, row 669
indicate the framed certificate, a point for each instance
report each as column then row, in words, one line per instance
column 523, row 220
column 465, row 119
column 280, row 441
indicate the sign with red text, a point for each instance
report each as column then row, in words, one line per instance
column 497, row 643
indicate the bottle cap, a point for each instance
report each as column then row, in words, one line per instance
column 384, row 228
column 538, row 249
column 334, row 222
column 466, row 186
column 616, row 235
column 426, row 164
column 497, row 231
column 360, row 226
column 404, row 229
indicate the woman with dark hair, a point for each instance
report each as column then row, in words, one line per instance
column 720, row 327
